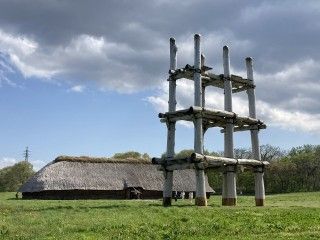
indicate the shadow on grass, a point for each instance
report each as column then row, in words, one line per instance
column 14, row 199
column 184, row 205
column 77, row 208
column 88, row 207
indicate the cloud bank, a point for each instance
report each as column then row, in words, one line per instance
column 123, row 47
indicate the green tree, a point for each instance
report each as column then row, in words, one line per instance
column 11, row 178
column 131, row 154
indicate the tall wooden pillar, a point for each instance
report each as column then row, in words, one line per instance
column 203, row 59
column 259, row 171
column 168, row 182
column 229, row 193
column 201, row 199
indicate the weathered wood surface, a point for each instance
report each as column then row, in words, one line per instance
column 210, row 79
column 168, row 175
column 259, row 182
column 198, row 125
column 247, row 128
column 199, row 161
column 212, row 118
column 204, row 118
column 229, row 176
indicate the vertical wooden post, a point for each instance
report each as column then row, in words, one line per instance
column 259, row 182
column 229, row 193
column 168, row 182
column 203, row 59
column 201, row 199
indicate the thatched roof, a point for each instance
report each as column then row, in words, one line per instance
column 102, row 160
column 85, row 173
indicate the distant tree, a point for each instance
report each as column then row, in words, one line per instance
column 242, row 153
column 270, row 153
column 146, row 156
column 184, row 153
column 298, row 171
column 131, row 154
column 292, row 171
column 245, row 177
column 11, row 178
column 187, row 153
column 305, row 149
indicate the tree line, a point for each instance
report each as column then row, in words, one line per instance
column 295, row 170
column 11, row 178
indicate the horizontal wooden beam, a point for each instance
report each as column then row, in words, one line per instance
column 211, row 118
column 247, row 128
column 210, row 79
column 198, row 161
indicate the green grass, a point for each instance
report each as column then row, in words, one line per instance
column 286, row 216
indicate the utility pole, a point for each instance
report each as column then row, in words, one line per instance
column 26, row 154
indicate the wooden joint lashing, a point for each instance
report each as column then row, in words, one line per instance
column 230, row 169
column 259, row 169
column 199, row 166
column 251, row 86
column 233, row 119
column 225, row 78
column 196, row 70
column 169, row 123
column 172, row 79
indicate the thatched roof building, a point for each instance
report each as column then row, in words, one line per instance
column 84, row 177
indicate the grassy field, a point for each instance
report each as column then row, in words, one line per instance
column 286, row 216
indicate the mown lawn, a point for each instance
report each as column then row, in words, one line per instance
column 286, row 216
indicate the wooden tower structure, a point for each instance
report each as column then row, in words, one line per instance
column 204, row 118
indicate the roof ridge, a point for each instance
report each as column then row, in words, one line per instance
column 101, row 159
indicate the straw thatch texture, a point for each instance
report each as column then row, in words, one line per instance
column 101, row 160
column 103, row 174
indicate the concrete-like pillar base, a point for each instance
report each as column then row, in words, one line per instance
column 260, row 202
column 201, row 201
column 166, row 201
column 229, row 201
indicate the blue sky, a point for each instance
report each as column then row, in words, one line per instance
column 80, row 80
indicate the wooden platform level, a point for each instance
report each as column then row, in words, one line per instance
column 199, row 161
column 209, row 79
column 213, row 118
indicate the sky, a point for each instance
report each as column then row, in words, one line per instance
column 89, row 77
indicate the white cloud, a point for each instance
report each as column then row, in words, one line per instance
column 135, row 57
column 37, row 164
column 5, row 68
column 109, row 64
column 17, row 44
column 77, row 88
column 271, row 114
column 7, row 161
column 84, row 58
column 292, row 88
column 86, row 44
